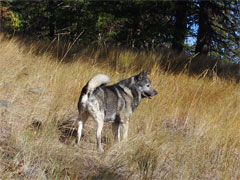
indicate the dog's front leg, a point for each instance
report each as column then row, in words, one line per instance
column 124, row 128
column 116, row 131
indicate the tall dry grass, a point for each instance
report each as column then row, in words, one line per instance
column 190, row 130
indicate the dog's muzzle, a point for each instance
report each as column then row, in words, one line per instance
column 150, row 94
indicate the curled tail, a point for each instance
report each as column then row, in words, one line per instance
column 96, row 81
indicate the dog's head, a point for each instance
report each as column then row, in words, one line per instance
column 144, row 85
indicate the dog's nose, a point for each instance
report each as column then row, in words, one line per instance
column 155, row 92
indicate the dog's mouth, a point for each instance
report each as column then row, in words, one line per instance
column 149, row 95
column 146, row 95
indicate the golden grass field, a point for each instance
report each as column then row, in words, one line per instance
column 190, row 130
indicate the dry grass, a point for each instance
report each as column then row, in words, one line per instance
column 190, row 130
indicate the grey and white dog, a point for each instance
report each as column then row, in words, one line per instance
column 114, row 103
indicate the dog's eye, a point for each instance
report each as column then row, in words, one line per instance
column 148, row 85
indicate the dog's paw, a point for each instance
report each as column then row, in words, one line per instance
column 100, row 149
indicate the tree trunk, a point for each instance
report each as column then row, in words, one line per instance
column 205, row 31
column 180, row 26
column 51, row 18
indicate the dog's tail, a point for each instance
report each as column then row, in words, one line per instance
column 96, row 81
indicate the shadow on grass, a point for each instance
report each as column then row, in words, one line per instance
column 106, row 173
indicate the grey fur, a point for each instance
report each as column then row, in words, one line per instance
column 114, row 103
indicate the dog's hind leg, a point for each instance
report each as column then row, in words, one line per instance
column 82, row 118
column 99, row 118
column 100, row 122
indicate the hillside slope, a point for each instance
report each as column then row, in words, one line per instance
column 190, row 130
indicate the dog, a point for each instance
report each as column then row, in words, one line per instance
column 114, row 103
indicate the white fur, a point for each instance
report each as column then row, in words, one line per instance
column 93, row 83
column 84, row 99
column 97, row 81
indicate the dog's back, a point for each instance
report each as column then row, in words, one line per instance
column 112, row 101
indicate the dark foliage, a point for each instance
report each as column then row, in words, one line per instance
column 212, row 25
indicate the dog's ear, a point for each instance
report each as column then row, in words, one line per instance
column 141, row 75
column 147, row 72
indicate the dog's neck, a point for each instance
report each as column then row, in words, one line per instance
column 130, row 83
column 136, row 97
column 134, row 93
column 127, row 82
